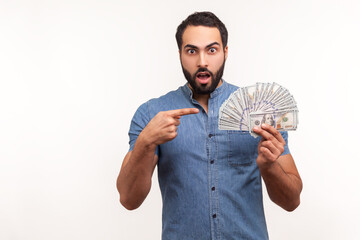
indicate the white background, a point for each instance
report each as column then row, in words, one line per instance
column 73, row 73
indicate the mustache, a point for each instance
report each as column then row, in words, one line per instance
column 203, row 70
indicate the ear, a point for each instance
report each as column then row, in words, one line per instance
column 226, row 52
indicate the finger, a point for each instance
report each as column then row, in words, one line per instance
column 172, row 128
column 172, row 135
column 267, row 153
column 260, row 142
column 182, row 112
column 274, row 132
column 269, row 133
column 177, row 122
column 272, row 147
column 263, row 133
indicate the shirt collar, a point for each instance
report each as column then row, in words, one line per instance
column 188, row 92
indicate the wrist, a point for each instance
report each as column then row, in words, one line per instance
column 266, row 166
column 146, row 142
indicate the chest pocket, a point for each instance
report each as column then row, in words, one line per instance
column 242, row 148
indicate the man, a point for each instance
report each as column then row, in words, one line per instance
column 210, row 179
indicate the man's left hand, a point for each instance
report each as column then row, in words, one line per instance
column 270, row 147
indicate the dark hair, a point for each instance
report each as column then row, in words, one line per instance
column 207, row 19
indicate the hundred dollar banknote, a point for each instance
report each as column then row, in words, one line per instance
column 281, row 120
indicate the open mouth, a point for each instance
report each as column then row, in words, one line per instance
column 203, row 77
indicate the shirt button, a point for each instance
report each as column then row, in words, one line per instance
column 214, row 215
column 213, row 188
column 210, row 135
column 212, row 161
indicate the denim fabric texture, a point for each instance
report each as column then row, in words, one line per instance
column 209, row 180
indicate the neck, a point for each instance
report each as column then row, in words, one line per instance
column 203, row 98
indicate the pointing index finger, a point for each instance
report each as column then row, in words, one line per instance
column 183, row 111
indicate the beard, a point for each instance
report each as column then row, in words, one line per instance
column 202, row 89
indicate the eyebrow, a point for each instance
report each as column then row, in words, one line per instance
column 195, row 47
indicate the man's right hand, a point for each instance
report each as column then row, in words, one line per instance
column 134, row 180
column 163, row 127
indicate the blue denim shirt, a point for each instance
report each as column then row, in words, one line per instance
column 209, row 180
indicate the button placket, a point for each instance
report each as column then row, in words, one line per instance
column 211, row 139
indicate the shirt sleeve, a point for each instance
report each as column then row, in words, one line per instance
column 138, row 123
column 286, row 148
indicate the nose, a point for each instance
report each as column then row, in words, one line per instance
column 202, row 60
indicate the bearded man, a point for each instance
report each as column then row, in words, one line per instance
column 210, row 179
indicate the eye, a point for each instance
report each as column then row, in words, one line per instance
column 212, row 50
column 191, row 51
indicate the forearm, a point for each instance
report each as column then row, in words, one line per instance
column 134, row 181
column 283, row 188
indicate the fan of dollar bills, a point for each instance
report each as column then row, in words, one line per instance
column 251, row 106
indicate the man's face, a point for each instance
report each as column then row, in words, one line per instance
column 202, row 58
